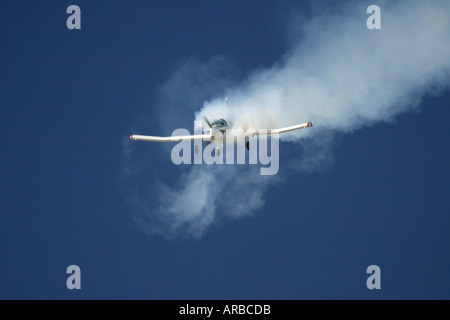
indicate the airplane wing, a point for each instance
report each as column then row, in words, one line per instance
column 205, row 137
column 287, row 129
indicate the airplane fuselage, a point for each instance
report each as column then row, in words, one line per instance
column 218, row 130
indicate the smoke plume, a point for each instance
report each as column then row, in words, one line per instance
column 337, row 74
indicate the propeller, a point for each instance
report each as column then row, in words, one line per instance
column 207, row 122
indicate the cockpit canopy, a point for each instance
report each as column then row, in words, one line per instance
column 219, row 123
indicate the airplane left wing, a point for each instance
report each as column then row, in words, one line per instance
column 205, row 137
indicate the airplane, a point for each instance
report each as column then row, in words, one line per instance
column 216, row 133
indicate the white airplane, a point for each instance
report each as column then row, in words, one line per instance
column 217, row 133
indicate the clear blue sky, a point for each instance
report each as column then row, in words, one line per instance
column 67, row 99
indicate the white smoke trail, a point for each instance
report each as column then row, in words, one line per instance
column 341, row 76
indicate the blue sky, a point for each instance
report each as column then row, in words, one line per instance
column 70, row 97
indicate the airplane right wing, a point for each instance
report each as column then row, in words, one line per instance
column 288, row 129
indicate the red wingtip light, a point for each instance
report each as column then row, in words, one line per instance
column 131, row 137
